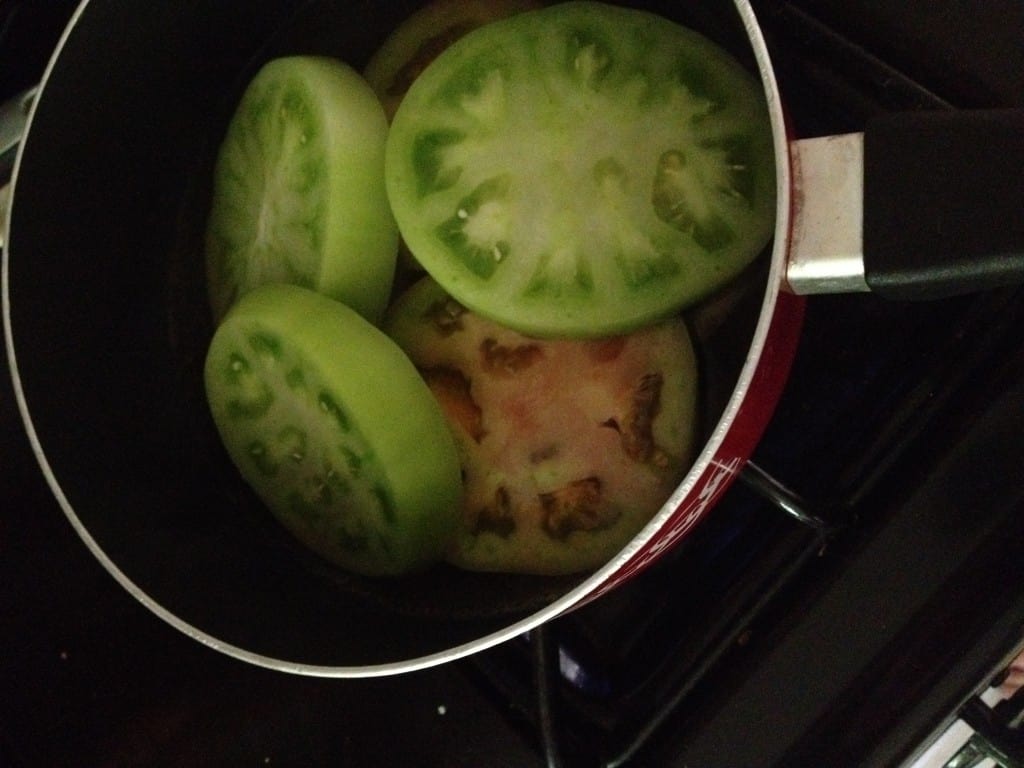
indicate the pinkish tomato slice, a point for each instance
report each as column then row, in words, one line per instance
column 568, row 447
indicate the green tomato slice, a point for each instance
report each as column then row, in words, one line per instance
column 582, row 169
column 332, row 426
column 298, row 193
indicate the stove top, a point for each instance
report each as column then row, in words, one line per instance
column 847, row 637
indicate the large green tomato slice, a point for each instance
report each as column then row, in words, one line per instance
column 332, row 426
column 582, row 169
column 299, row 192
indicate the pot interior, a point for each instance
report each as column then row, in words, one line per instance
column 110, row 323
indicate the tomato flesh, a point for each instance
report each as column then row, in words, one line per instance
column 582, row 169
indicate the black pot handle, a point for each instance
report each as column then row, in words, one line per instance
column 13, row 120
column 943, row 202
column 921, row 205
column 29, row 31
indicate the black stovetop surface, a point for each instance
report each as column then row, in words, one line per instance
column 903, row 425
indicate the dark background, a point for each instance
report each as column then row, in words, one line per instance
column 90, row 677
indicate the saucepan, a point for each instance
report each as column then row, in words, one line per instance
column 107, row 323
